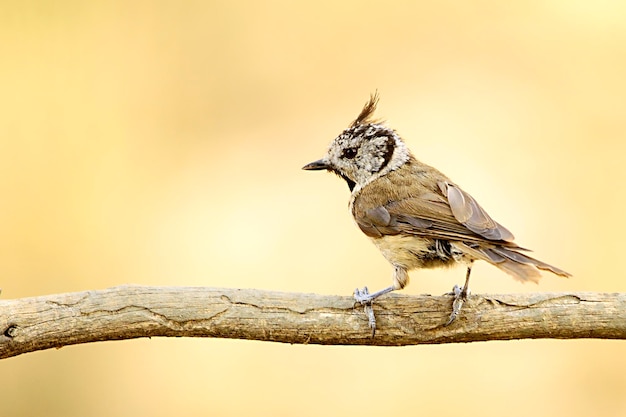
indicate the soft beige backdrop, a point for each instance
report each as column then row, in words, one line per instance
column 161, row 143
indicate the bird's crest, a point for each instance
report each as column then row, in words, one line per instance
column 367, row 114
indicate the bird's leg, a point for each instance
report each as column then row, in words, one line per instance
column 460, row 296
column 362, row 296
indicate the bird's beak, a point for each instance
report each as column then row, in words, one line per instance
column 316, row 165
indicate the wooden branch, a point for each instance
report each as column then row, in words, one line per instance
column 127, row 312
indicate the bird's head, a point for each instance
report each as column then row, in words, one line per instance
column 366, row 150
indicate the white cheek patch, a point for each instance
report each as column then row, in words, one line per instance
column 366, row 165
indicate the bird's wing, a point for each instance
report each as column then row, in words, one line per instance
column 470, row 214
column 446, row 213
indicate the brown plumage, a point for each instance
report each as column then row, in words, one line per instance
column 413, row 213
column 425, row 204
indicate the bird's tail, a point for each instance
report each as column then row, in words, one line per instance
column 520, row 266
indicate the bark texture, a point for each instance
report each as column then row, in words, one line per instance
column 127, row 312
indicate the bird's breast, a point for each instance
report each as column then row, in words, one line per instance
column 411, row 252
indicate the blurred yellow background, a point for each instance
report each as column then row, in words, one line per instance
column 161, row 143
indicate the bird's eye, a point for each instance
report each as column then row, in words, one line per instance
column 349, row 153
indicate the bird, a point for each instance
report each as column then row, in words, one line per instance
column 415, row 215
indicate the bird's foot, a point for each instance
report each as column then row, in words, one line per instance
column 460, row 296
column 366, row 299
column 363, row 297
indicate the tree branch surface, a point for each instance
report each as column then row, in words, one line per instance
column 127, row 312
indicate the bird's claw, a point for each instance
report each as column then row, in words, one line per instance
column 460, row 296
column 371, row 319
column 363, row 297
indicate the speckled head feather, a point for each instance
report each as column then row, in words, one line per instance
column 364, row 151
